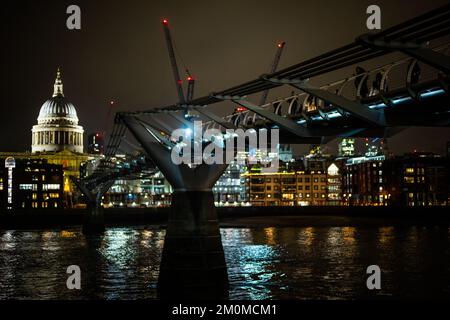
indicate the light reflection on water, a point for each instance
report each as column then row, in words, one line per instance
column 263, row 263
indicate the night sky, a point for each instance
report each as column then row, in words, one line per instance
column 120, row 53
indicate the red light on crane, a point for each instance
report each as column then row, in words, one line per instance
column 189, row 78
column 165, row 21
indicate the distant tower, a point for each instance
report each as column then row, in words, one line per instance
column 285, row 152
column 95, row 143
column 347, row 147
column 374, row 147
column 57, row 127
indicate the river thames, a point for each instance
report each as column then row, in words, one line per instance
column 320, row 262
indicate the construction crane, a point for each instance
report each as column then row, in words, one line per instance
column 273, row 68
column 173, row 62
column 276, row 60
column 190, row 89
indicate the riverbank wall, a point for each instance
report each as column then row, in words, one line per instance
column 35, row 219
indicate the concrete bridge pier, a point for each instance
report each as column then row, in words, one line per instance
column 193, row 261
column 94, row 221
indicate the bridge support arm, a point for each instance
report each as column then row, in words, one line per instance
column 435, row 59
column 374, row 118
column 280, row 121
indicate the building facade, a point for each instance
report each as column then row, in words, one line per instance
column 334, row 185
column 416, row 179
column 363, row 181
column 30, row 184
column 230, row 188
column 152, row 191
column 298, row 188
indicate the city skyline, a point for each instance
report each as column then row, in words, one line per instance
column 136, row 52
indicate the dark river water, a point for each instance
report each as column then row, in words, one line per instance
column 263, row 263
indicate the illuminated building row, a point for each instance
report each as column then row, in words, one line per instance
column 287, row 188
column 30, row 184
column 416, row 179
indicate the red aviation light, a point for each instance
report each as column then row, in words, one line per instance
column 189, row 78
column 165, row 21
column 241, row 109
column 281, row 44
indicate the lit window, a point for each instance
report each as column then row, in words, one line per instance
column 409, row 179
column 50, row 186
column 25, row 186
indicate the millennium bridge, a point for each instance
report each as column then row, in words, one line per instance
column 411, row 88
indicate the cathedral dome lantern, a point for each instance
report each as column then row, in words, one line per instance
column 57, row 127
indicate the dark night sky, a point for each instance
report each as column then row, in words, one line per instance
column 120, row 53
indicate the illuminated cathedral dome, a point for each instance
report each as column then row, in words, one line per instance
column 57, row 109
column 57, row 127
